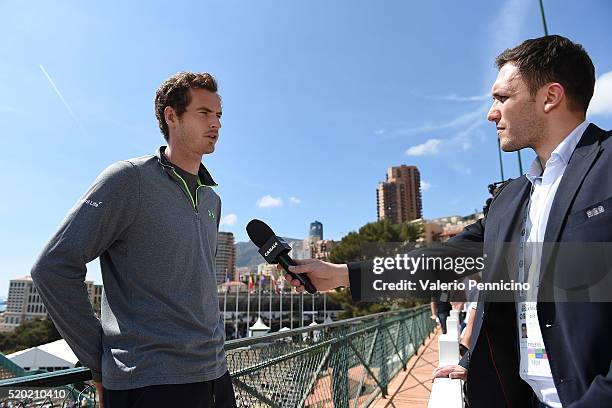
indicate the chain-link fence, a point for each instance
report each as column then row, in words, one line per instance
column 342, row 364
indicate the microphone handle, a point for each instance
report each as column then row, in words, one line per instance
column 286, row 261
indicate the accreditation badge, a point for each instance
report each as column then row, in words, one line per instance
column 534, row 360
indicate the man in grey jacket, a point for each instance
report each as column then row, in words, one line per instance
column 153, row 221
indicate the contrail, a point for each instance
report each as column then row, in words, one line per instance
column 458, row 98
column 57, row 91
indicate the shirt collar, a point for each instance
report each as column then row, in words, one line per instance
column 203, row 175
column 535, row 170
column 561, row 154
column 565, row 149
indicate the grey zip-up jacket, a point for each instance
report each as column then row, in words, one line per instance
column 160, row 320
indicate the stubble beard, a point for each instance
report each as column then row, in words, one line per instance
column 199, row 145
column 210, row 145
column 527, row 131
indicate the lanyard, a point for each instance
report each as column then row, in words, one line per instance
column 522, row 264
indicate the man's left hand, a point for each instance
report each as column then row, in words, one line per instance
column 450, row 371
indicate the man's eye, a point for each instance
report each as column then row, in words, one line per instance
column 501, row 98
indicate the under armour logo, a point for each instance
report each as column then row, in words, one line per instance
column 595, row 211
column 92, row 203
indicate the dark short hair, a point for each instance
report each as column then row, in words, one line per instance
column 174, row 92
column 554, row 58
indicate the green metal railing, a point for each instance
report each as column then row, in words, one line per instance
column 343, row 364
column 9, row 368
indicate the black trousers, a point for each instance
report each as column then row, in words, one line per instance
column 217, row 393
column 442, row 316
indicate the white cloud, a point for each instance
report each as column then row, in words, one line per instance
column 268, row 202
column 464, row 138
column 425, row 185
column 229, row 219
column 601, row 104
column 469, row 122
column 294, row 200
column 461, row 120
column 430, row 147
column 379, row 132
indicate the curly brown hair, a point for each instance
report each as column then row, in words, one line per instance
column 174, row 92
column 554, row 58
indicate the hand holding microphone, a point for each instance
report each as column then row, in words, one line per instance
column 324, row 275
column 275, row 250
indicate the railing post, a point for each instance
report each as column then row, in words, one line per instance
column 447, row 392
column 449, row 343
column 400, row 344
column 452, row 323
column 339, row 364
column 384, row 353
column 422, row 329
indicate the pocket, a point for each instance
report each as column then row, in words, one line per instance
column 596, row 216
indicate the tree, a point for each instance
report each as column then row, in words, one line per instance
column 30, row 333
column 352, row 247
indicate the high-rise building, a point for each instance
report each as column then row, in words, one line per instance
column 316, row 231
column 399, row 198
column 24, row 302
column 225, row 261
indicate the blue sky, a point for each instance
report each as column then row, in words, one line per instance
column 319, row 99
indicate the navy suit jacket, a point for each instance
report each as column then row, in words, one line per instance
column 577, row 335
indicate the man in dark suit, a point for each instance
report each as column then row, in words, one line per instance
column 553, row 347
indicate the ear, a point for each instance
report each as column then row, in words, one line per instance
column 170, row 116
column 554, row 94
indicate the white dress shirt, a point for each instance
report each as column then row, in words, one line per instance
column 534, row 365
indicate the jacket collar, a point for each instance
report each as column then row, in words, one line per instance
column 203, row 174
column 559, row 158
column 579, row 164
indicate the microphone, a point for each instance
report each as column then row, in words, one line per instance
column 275, row 250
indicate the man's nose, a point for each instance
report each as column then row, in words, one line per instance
column 215, row 123
column 493, row 115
